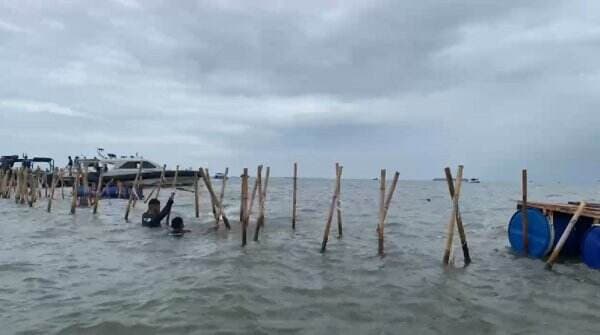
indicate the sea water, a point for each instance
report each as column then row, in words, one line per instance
column 97, row 274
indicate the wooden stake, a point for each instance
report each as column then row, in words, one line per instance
column 55, row 179
column 244, row 205
column 160, row 182
column 339, row 201
column 33, row 183
column 83, row 201
column 455, row 208
column 459, row 223
column 294, row 196
column 386, row 207
column 196, row 204
column 261, row 216
column 380, row 226
column 62, row 186
column 174, row 188
column 98, row 194
column 75, row 192
column 133, row 187
column 214, row 197
column 330, row 214
column 565, row 236
column 254, row 190
column 222, row 195
column 260, row 201
column 212, row 202
column 524, row 215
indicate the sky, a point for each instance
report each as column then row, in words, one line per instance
column 412, row 86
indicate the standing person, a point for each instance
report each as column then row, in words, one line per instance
column 154, row 214
column 70, row 166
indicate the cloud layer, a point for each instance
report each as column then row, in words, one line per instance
column 407, row 85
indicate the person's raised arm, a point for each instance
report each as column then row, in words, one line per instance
column 165, row 211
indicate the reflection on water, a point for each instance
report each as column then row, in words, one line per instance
column 97, row 274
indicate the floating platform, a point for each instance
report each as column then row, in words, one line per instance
column 546, row 225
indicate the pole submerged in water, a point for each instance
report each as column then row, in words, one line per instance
column 244, row 205
column 222, row 195
column 134, row 186
column 260, row 201
column 98, row 194
column 459, row 222
column 525, row 216
column 453, row 218
column 331, row 210
column 339, row 201
column 565, row 235
column 213, row 196
column 75, row 192
column 294, row 195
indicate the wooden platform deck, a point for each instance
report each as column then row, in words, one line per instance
column 592, row 210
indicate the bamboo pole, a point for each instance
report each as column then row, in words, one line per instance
column 244, row 205
column 25, row 189
column 214, row 197
column 33, row 184
column 160, row 182
column 339, row 202
column 62, row 186
column 196, row 205
column 524, row 215
column 55, row 178
column 174, row 189
column 2, row 175
column 134, row 186
column 212, row 202
column 254, row 190
column 330, row 214
column 260, row 201
column 294, row 196
column 84, row 200
column 565, row 236
column 455, row 208
column 261, row 215
column 19, row 185
column 380, row 226
column 222, row 195
column 264, row 197
column 386, row 207
column 136, row 194
column 98, row 194
column 459, row 222
column 75, row 191
column 45, row 184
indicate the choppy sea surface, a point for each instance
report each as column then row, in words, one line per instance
column 97, row 274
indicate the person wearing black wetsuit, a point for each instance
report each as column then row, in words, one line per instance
column 154, row 215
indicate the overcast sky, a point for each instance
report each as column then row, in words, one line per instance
column 405, row 85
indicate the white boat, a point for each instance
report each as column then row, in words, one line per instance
column 125, row 170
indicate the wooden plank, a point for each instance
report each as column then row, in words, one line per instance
column 562, row 208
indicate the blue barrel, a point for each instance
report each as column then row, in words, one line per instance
column 572, row 245
column 540, row 233
column 590, row 247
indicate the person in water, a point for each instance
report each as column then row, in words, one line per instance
column 177, row 227
column 154, row 215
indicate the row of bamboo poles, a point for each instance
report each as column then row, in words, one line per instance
column 26, row 186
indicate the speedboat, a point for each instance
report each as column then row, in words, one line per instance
column 125, row 170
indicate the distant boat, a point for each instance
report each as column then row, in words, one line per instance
column 474, row 181
column 444, row 179
column 219, row 175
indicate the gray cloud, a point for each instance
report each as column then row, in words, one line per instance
column 411, row 85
